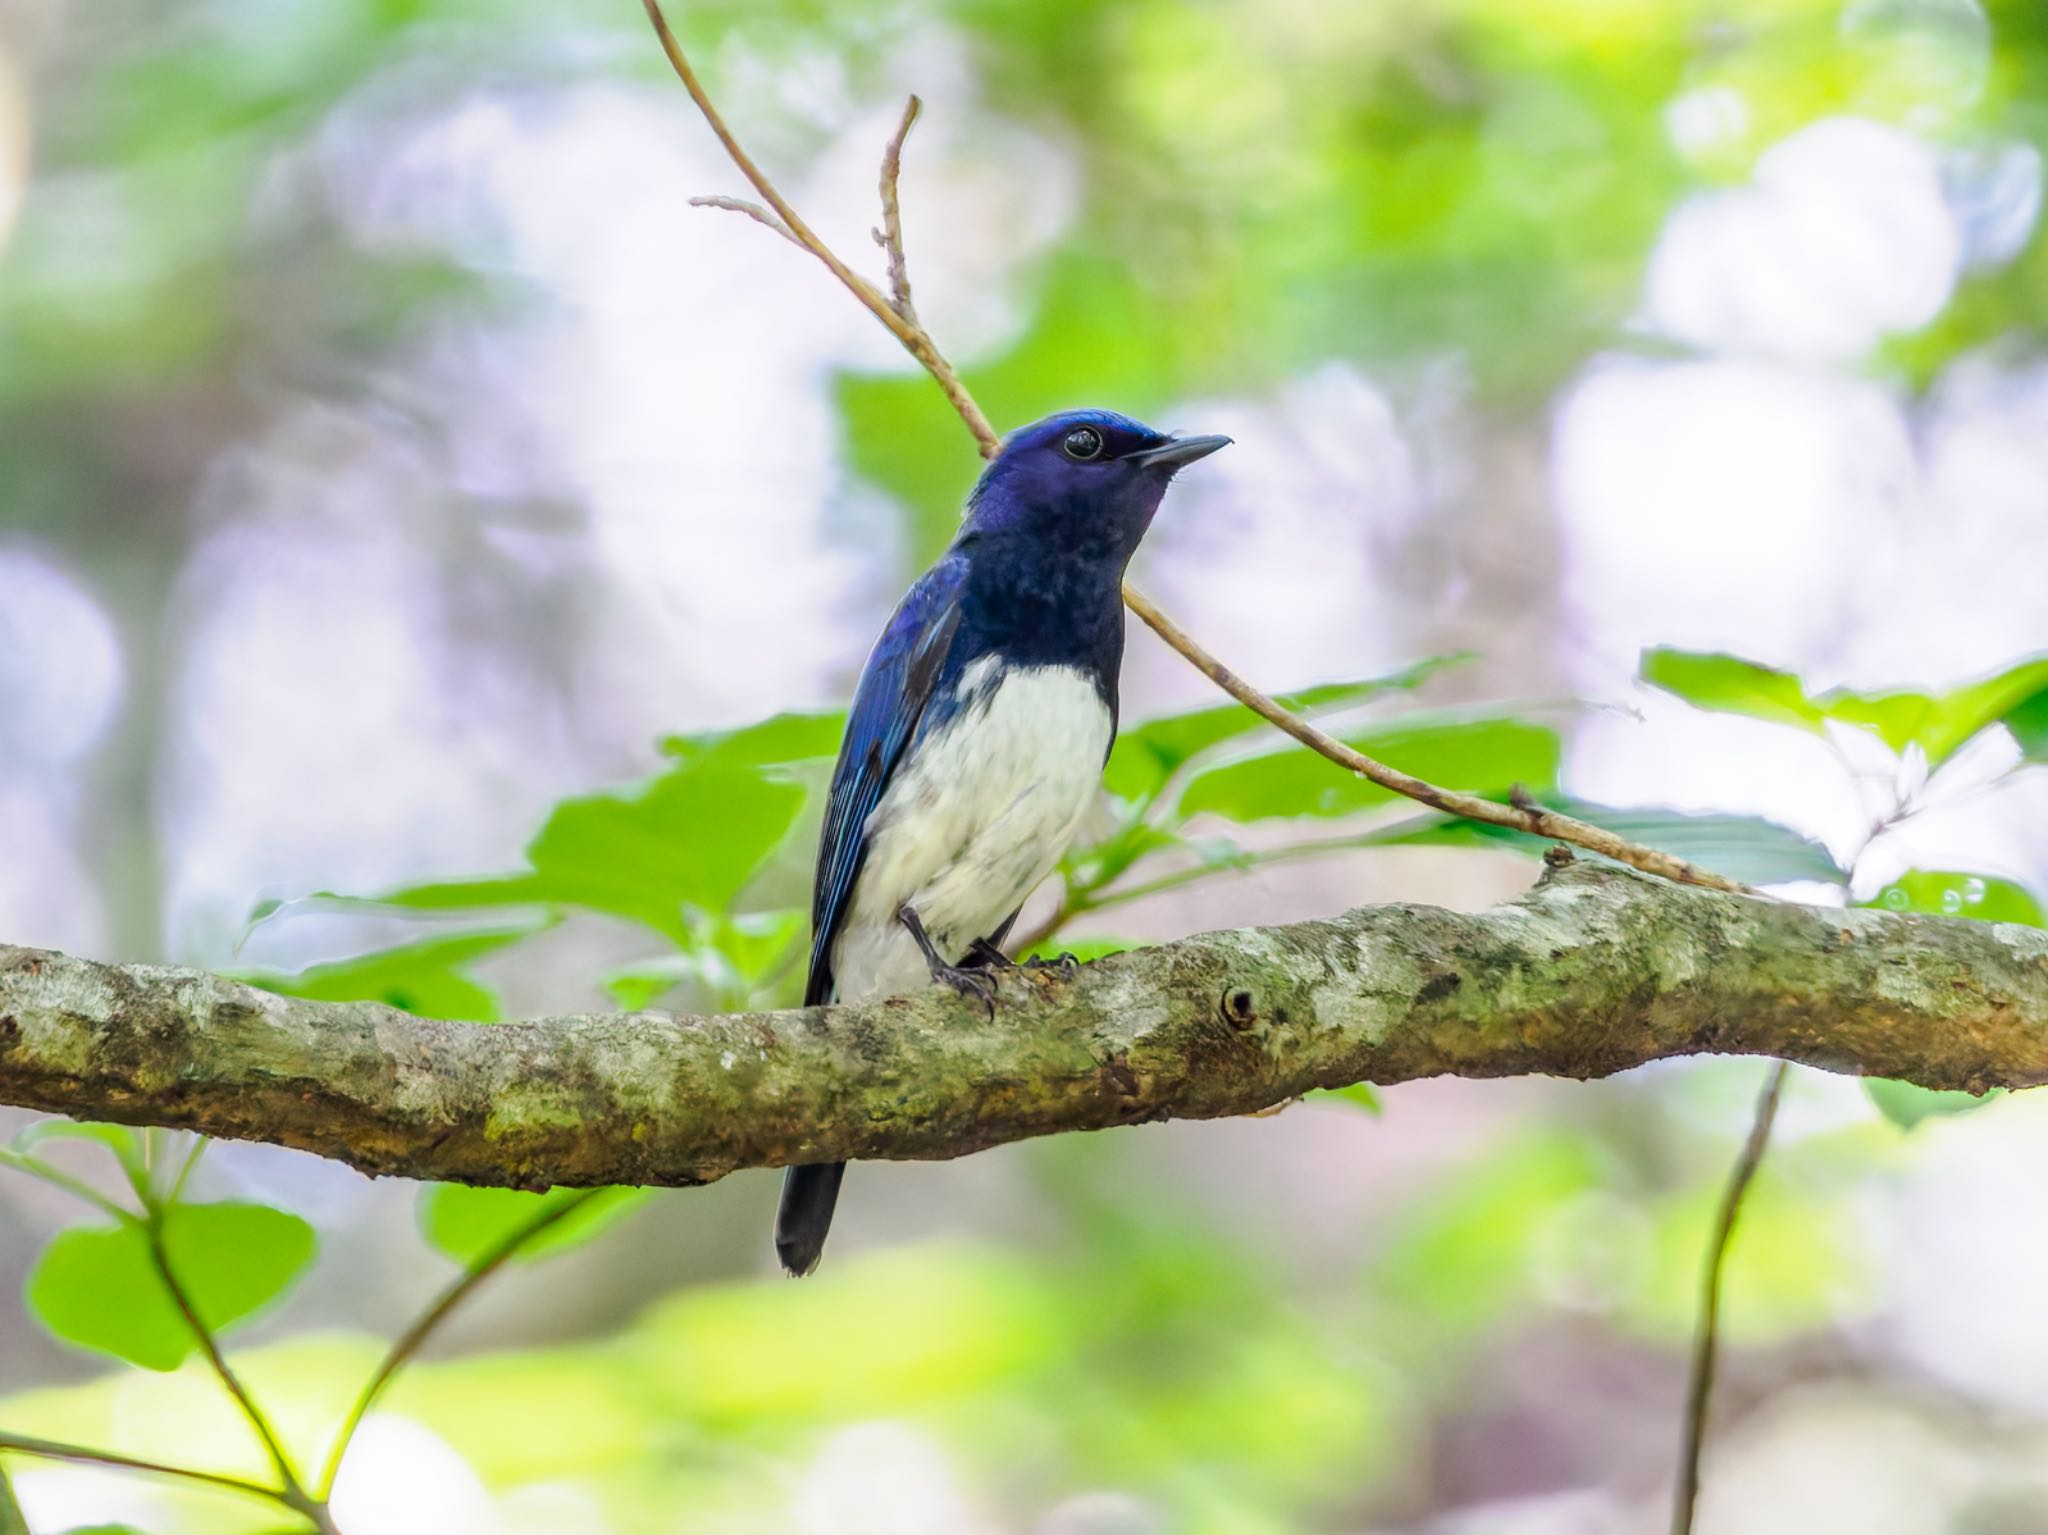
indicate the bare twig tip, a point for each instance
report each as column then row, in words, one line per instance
column 896, row 311
column 754, row 211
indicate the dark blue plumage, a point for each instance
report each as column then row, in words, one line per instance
column 979, row 728
column 890, row 702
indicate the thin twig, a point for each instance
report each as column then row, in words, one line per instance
column 410, row 1342
column 754, row 211
column 890, row 235
column 1699, row 1384
column 1531, row 818
column 1706, row 1341
column 50, row 1449
column 914, row 338
column 294, row 1491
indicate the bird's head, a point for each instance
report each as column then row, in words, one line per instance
column 1082, row 481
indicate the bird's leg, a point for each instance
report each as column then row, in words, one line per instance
column 984, row 955
column 966, row 981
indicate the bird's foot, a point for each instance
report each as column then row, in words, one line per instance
column 969, row 982
column 965, row 979
column 1067, row 966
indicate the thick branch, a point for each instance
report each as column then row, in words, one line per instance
column 1595, row 970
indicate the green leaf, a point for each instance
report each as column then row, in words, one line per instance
column 672, row 853
column 1748, row 848
column 123, row 1141
column 1906, row 1104
column 1938, row 724
column 426, row 977
column 1146, row 755
column 1730, row 685
column 782, row 740
column 2028, row 722
column 736, row 959
column 660, row 853
column 468, row 1224
column 755, row 943
column 693, row 837
column 1358, row 1094
column 1958, row 715
column 97, row 1286
column 1945, row 893
column 1089, row 868
column 1486, row 754
column 640, row 986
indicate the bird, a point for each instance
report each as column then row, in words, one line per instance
column 978, row 732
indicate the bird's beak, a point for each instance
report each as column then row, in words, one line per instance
column 1176, row 451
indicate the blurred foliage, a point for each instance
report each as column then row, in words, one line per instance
column 1936, row 727
column 1278, row 1420
column 1939, row 725
column 166, row 1271
column 428, row 977
column 1258, row 189
column 99, row 1287
column 695, row 855
column 1749, row 848
column 470, row 1225
column 11, row 1520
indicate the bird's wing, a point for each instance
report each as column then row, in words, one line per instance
column 895, row 686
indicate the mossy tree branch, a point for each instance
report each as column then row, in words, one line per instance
column 1593, row 971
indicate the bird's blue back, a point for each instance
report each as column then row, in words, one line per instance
column 1033, row 580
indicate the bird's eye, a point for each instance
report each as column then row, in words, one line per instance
column 1083, row 442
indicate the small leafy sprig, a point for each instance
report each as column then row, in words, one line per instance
column 167, row 1277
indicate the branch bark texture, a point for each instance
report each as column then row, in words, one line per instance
column 1594, row 970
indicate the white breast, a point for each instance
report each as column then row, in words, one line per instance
column 976, row 818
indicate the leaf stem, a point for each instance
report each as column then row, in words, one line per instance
column 187, row 1168
column 50, row 1449
column 56, row 1177
column 411, row 1340
column 12, row 1520
column 294, row 1491
column 1707, row 1331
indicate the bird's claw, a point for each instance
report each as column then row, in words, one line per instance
column 969, row 982
column 1067, row 966
column 970, row 979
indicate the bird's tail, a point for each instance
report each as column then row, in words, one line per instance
column 805, row 1214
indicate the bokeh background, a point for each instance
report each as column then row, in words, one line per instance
column 388, row 450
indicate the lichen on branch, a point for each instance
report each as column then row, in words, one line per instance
column 1594, row 970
